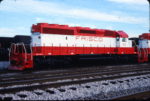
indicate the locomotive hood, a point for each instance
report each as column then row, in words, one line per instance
column 145, row 36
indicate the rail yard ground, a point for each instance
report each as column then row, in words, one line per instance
column 87, row 83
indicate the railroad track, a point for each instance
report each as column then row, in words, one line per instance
column 7, row 82
column 69, row 77
column 33, row 74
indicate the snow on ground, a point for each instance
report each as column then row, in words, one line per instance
column 102, row 90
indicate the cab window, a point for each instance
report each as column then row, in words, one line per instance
column 123, row 39
column 117, row 39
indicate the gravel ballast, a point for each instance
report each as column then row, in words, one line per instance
column 101, row 90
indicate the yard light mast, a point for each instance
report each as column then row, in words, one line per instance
column 149, row 14
column 1, row 1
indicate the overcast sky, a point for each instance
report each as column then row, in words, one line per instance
column 131, row 16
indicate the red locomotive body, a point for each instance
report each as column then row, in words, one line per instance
column 50, row 41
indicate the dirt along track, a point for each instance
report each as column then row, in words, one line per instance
column 56, row 78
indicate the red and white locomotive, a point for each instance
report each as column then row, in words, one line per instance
column 53, row 42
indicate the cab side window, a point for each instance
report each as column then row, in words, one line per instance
column 117, row 39
column 123, row 39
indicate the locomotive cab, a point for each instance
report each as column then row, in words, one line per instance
column 123, row 44
column 20, row 57
column 122, row 40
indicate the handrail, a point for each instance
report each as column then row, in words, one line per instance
column 25, row 51
column 134, row 42
column 139, row 52
column 31, row 53
column 146, row 52
column 12, row 49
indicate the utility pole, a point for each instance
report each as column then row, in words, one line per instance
column 1, row 1
column 149, row 14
